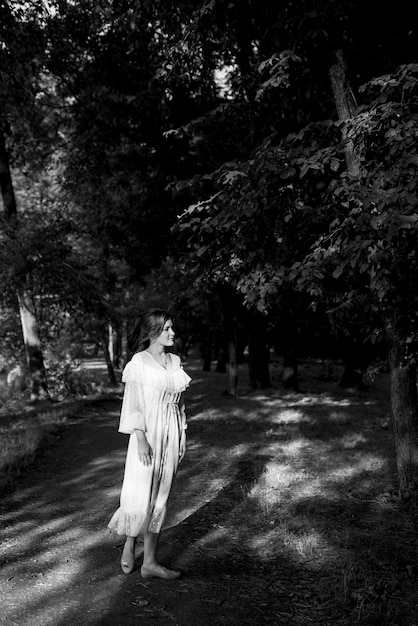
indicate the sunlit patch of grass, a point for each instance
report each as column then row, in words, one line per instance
column 285, row 483
column 281, row 484
column 289, row 416
column 308, row 545
column 352, row 440
column 209, row 415
column 315, row 501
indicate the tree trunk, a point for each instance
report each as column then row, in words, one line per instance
column 114, row 343
column 207, row 351
column 222, row 357
column 259, row 353
column 232, row 368
column 36, row 369
column 289, row 339
column 117, row 356
column 111, row 342
column 352, row 377
column 346, row 107
column 124, row 341
column 6, row 185
column 290, row 379
column 403, row 384
column 108, row 359
column 244, row 33
column 37, row 381
column 403, row 373
column 229, row 314
column 354, row 360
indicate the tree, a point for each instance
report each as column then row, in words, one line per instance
column 298, row 209
column 28, row 138
column 372, row 242
column 14, row 57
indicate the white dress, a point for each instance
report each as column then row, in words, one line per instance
column 152, row 402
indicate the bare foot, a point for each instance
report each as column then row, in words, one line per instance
column 127, row 561
column 158, row 571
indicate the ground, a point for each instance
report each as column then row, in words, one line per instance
column 283, row 513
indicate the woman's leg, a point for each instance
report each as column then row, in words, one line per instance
column 151, row 567
column 150, row 548
column 127, row 561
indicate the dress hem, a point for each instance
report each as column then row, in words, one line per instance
column 134, row 524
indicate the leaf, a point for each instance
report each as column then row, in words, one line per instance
column 408, row 221
column 334, row 164
column 230, row 177
column 173, row 131
column 412, row 160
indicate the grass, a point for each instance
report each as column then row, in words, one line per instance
column 288, row 503
column 21, row 439
column 26, row 428
column 315, row 499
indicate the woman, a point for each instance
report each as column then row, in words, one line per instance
column 153, row 415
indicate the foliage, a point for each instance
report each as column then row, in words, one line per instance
column 172, row 287
column 114, row 163
column 68, row 379
column 372, row 238
column 108, row 108
column 293, row 213
column 11, row 345
column 30, row 109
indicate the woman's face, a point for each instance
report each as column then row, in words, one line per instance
column 166, row 338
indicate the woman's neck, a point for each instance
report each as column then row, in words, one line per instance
column 157, row 350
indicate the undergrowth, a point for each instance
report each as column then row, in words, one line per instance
column 26, row 427
column 21, row 439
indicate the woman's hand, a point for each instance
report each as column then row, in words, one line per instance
column 144, row 449
column 182, row 445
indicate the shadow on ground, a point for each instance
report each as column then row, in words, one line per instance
column 268, row 512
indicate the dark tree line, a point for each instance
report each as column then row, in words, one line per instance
column 253, row 165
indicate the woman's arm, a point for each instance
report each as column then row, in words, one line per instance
column 132, row 415
column 144, row 449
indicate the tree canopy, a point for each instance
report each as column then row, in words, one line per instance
column 253, row 161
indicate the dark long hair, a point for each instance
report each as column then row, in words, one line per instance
column 146, row 327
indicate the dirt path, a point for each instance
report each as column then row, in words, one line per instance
column 60, row 565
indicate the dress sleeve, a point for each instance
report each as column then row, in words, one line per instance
column 132, row 416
